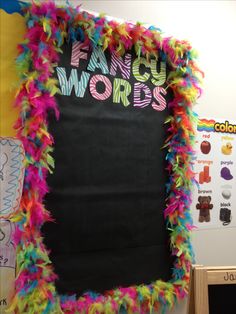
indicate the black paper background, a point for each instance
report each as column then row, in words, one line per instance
column 107, row 193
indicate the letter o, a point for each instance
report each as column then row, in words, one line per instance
column 93, row 83
column 222, row 127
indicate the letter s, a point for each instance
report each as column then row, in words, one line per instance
column 157, row 93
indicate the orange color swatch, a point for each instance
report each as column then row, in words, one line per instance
column 204, row 175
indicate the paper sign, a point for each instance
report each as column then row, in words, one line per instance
column 11, row 181
column 214, row 200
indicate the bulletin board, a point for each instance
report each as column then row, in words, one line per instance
column 130, row 90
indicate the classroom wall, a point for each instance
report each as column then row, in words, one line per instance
column 210, row 27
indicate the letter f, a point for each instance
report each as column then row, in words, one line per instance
column 77, row 53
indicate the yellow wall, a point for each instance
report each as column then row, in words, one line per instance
column 12, row 29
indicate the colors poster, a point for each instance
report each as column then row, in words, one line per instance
column 214, row 199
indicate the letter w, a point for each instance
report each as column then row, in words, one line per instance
column 67, row 85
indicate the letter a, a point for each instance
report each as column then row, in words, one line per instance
column 98, row 60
